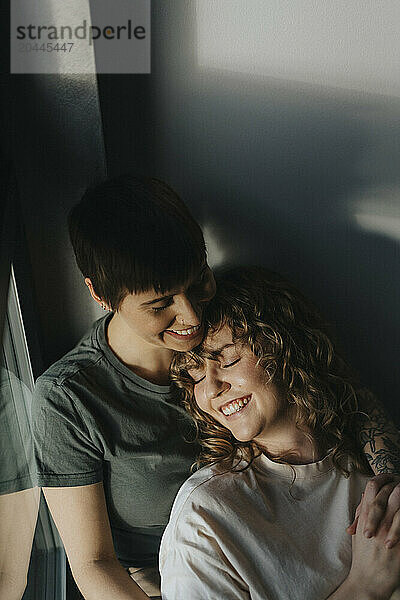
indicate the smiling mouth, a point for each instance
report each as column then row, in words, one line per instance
column 235, row 406
column 184, row 333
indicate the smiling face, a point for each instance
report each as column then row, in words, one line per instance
column 235, row 390
column 171, row 320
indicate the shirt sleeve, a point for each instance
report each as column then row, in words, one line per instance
column 192, row 562
column 65, row 452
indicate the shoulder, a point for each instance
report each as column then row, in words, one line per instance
column 84, row 355
column 58, row 384
column 208, row 489
column 202, row 508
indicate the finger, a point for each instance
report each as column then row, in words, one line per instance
column 375, row 484
column 393, row 505
column 391, row 521
column 377, row 509
column 394, row 499
column 352, row 529
column 393, row 535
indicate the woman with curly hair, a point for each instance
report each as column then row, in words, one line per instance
column 276, row 409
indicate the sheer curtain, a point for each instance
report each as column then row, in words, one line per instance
column 32, row 560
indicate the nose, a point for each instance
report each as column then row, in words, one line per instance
column 215, row 384
column 185, row 312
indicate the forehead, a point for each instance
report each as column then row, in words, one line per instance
column 217, row 340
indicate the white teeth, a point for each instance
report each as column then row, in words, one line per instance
column 186, row 331
column 235, row 406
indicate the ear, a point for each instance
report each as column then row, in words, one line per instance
column 95, row 297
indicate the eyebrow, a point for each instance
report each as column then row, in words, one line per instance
column 155, row 300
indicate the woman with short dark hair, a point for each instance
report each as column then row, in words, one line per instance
column 113, row 442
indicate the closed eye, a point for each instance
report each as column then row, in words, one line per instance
column 230, row 364
column 159, row 308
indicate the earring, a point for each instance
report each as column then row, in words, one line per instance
column 103, row 306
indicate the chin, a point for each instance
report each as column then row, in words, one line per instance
column 246, row 435
column 183, row 346
column 243, row 437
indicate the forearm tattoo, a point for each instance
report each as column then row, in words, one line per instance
column 380, row 439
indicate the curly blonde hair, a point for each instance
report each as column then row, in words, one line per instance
column 293, row 345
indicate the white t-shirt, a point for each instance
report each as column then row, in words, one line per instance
column 255, row 534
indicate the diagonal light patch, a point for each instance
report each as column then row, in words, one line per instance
column 215, row 252
column 38, row 52
column 379, row 213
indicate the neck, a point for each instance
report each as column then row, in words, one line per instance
column 144, row 359
column 290, row 444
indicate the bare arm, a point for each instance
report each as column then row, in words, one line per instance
column 18, row 516
column 380, row 439
column 80, row 515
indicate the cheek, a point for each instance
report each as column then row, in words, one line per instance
column 251, row 374
column 159, row 323
column 144, row 324
column 200, row 398
column 241, row 381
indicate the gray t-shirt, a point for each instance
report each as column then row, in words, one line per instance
column 95, row 420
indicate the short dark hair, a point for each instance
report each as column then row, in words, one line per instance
column 133, row 234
